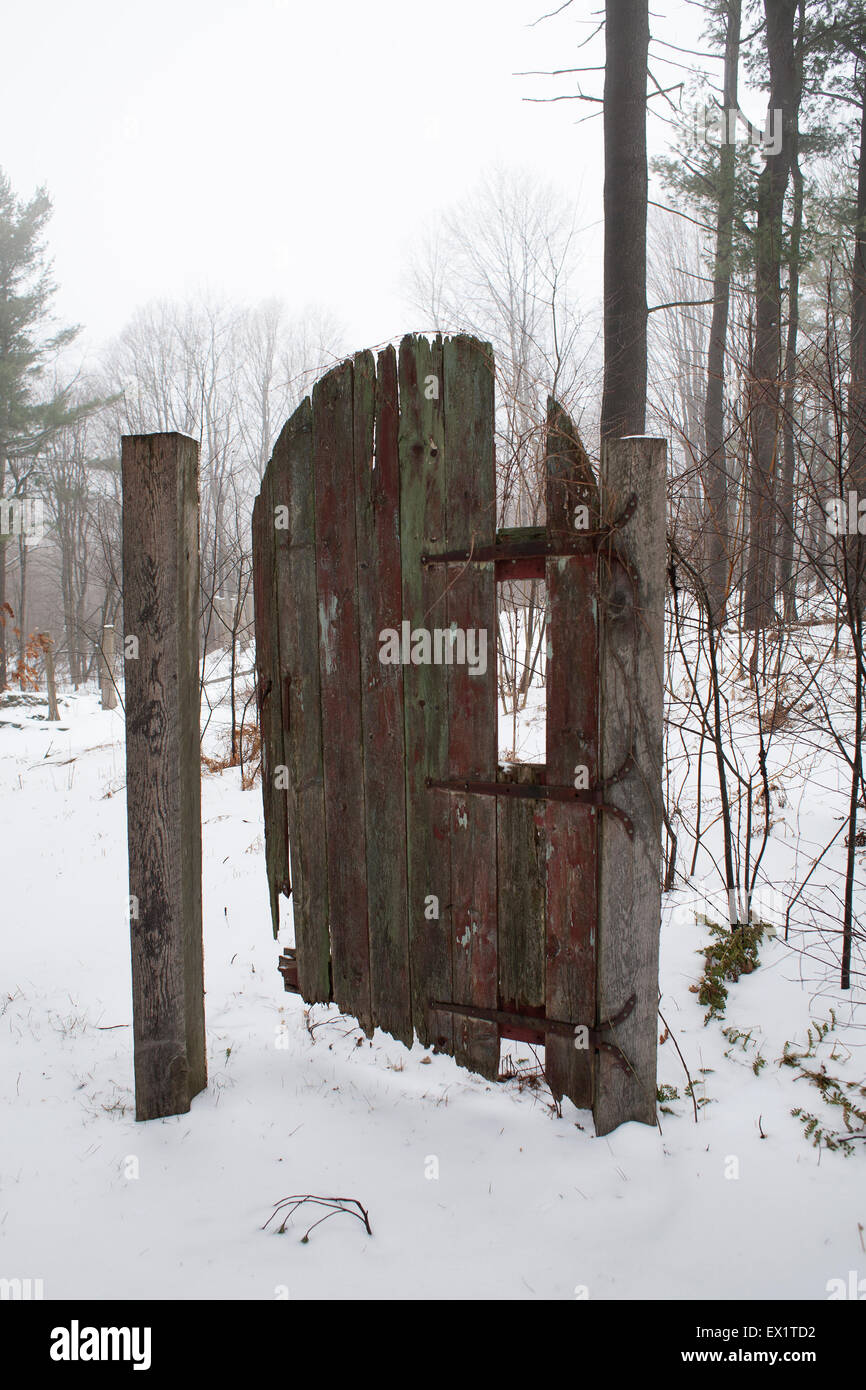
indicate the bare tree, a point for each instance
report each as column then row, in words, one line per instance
column 228, row 376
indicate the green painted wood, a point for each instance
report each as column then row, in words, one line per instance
column 519, row 905
column 380, row 606
column 572, row 741
column 521, row 533
column 521, row 874
column 282, row 602
column 282, row 881
column 291, row 487
column 472, row 693
column 425, row 690
column 340, row 674
column 268, row 689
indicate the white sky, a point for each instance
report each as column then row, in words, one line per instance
column 287, row 148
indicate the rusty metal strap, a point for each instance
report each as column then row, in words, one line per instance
column 557, row 1026
column 558, row 547
column 592, row 798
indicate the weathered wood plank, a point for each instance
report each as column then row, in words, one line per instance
column 425, row 692
column 277, row 579
column 262, row 675
column 339, row 667
column 163, row 769
column 293, row 490
column 268, row 687
column 521, row 874
column 572, row 744
column 280, row 610
column 631, row 684
column 380, row 600
column 472, row 692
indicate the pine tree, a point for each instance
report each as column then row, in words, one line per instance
column 29, row 341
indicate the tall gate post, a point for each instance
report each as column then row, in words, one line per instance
column 632, row 579
column 163, row 768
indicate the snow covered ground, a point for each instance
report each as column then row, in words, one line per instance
column 473, row 1190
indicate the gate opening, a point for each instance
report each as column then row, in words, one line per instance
column 521, row 663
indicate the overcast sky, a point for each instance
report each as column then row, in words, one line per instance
column 285, row 147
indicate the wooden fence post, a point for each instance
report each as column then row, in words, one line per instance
column 632, row 579
column 106, row 668
column 163, row 768
column 50, row 685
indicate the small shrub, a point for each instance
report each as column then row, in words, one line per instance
column 246, row 754
column 731, row 953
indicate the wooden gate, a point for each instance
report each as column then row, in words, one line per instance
column 433, row 890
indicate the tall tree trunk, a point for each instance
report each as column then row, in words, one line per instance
column 856, row 472
column 70, row 611
column 623, row 407
column 765, row 403
column 22, row 608
column 787, row 584
column 5, row 625
column 716, row 481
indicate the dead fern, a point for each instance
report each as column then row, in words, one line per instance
column 335, row 1205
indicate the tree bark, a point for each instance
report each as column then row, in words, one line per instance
column 765, row 404
column 857, row 390
column 786, row 579
column 3, row 614
column 716, row 482
column 623, row 408
column 22, row 610
column 106, row 668
column 50, row 684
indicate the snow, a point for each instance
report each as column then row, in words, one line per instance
column 527, row 1203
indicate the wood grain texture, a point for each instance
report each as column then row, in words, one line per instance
column 268, row 689
column 301, row 703
column 521, row 875
column 339, row 668
column 263, row 675
column 572, row 742
column 163, row 769
column 280, row 611
column 472, row 728
column 631, row 682
column 277, row 844
column 380, row 606
column 425, row 690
